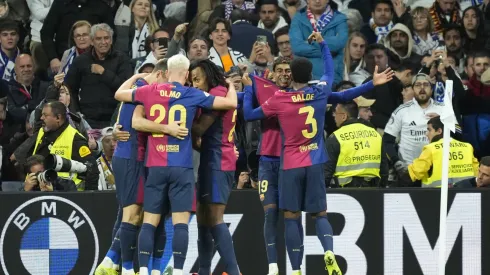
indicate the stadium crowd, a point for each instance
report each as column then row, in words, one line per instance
column 80, row 52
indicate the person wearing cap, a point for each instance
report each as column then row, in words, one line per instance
column 364, row 106
column 408, row 123
column 104, row 162
column 355, row 152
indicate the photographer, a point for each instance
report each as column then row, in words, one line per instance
column 58, row 137
column 34, row 179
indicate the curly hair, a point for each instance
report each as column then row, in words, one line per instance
column 214, row 75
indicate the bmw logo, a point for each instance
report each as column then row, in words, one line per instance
column 49, row 235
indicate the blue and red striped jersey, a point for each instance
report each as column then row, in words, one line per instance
column 165, row 104
column 133, row 148
column 217, row 142
column 301, row 115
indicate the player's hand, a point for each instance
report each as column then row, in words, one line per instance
column 315, row 36
column 382, row 78
column 138, row 76
column 246, row 80
column 119, row 135
column 176, row 130
column 97, row 69
column 237, row 154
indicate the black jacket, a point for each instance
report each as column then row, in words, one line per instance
column 245, row 35
column 333, row 150
column 96, row 91
column 91, row 176
column 61, row 17
column 23, row 100
column 388, row 97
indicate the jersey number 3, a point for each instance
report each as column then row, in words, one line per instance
column 162, row 112
column 310, row 120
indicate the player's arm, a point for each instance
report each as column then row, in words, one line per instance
column 226, row 103
column 240, row 96
column 81, row 153
column 333, row 151
column 125, row 93
column 202, row 124
column 392, row 132
column 420, row 167
column 140, row 123
column 328, row 66
column 249, row 112
column 350, row 94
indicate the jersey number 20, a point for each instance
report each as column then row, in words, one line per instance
column 310, row 120
column 162, row 112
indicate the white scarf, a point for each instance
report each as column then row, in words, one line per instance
column 281, row 23
column 380, row 32
column 423, row 47
column 138, row 45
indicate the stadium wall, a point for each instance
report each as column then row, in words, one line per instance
column 389, row 231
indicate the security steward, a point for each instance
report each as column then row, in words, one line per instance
column 58, row 137
column 355, row 151
column 428, row 166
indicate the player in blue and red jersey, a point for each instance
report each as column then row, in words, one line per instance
column 301, row 115
column 169, row 160
column 128, row 169
column 216, row 170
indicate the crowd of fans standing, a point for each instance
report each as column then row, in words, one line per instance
column 80, row 51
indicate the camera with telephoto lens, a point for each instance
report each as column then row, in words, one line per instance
column 47, row 176
column 60, row 164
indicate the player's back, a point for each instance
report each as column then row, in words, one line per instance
column 131, row 148
column 165, row 104
column 301, row 115
column 217, row 143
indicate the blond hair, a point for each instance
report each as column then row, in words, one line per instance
column 347, row 58
column 423, row 11
column 151, row 20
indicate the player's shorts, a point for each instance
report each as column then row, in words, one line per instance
column 169, row 186
column 129, row 175
column 214, row 186
column 303, row 189
column 268, row 182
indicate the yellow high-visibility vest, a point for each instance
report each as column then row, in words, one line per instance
column 460, row 163
column 63, row 147
column 360, row 152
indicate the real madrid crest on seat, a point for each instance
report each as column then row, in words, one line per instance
column 49, row 235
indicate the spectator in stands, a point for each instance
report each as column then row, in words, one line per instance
column 270, row 16
column 177, row 44
column 227, row 7
column 283, row 42
column 104, row 162
column 24, row 92
column 444, row 13
column 95, row 76
column 407, row 94
column 243, row 180
column 131, row 40
column 330, row 126
column 246, row 34
column 380, row 23
column 474, row 25
column 354, row 20
column 354, row 56
column 364, row 7
column 476, row 107
column 399, row 43
column 198, row 49
column 425, row 40
column 389, row 96
column 292, row 6
column 76, row 120
column 364, row 106
column 220, row 54
column 35, row 166
column 468, row 68
column 320, row 16
column 18, row 12
column 454, row 41
column 235, row 76
column 39, row 10
column 61, row 17
column 483, row 178
column 9, row 36
column 262, row 59
column 157, row 51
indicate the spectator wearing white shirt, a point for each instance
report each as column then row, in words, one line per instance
column 39, row 9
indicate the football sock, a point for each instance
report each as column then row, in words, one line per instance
column 205, row 248
column 324, row 232
column 293, row 242
column 145, row 245
column 270, row 236
column 301, row 236
column 180, row 243
column 159, row 247
column 128, row 235
column 224, row 244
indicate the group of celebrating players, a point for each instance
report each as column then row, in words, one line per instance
column 158, row 109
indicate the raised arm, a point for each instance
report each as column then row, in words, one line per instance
column 125, row 92
column 328, row 66
column 229, row 102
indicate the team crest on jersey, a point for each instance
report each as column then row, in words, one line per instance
column 49, row 235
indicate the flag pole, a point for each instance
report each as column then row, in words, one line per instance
column 445, row 175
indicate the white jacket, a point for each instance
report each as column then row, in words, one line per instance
column 39, row 9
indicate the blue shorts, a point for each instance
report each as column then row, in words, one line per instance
column 129, row 175
column 214, row 186
column 303, row 189
column 169, row 187
column 268, row 182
